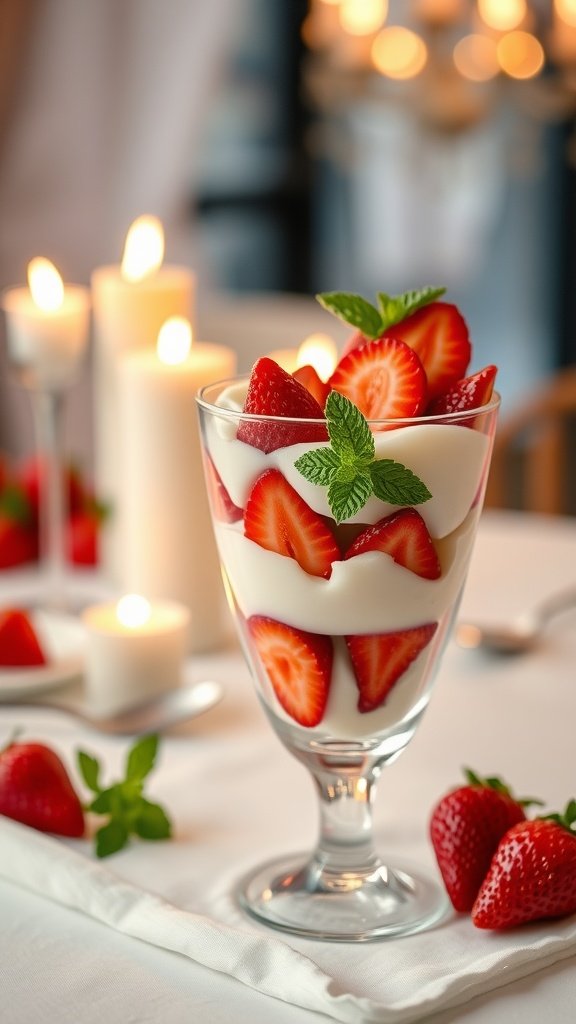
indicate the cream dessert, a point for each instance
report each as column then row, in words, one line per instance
column 345, row 528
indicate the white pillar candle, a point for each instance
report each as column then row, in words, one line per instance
column 47, row 327
column 167, row 545
column 134, row 650
column 131, row 302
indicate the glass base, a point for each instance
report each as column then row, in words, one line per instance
column 298, row 897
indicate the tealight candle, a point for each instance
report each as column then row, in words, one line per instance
column 167, row 547
column 318, row 350
column 134, row 650
column 131, row 302
column 47, row 327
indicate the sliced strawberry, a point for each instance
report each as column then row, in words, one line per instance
column 404, row 536
column 308, row 376
column 469, row 393
column 439, row 335
column 278, row 519
column 19, row 644
column 380, row 659
column 354, row 341
column 298, row 664
column 273, row 392
column 384, row 378
column 223, row 507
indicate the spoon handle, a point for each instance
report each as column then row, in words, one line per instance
column 556, row 603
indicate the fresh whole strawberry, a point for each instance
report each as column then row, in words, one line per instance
column 278, row 519
column 383, row 378
column 379, row 660
column 273, row 392
column 19, row 643
column 31, row 477
column 465, row 828
column 404, row 536
column 439, row 335
column 532, row 875
column 35, row 789
column 18, row 542
column 82, row 533
column 298, row 665
column 470, row 393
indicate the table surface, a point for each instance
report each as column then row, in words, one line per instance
column 510, row 716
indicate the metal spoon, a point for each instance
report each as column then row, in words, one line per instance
column 520, row 634
column 154, row 715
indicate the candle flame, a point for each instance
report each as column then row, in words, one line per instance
column 144, row 248
column 319, row 351
column 133, row 611
column 45, row 284
column 174, row 341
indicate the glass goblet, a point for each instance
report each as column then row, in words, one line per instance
column 343, row 656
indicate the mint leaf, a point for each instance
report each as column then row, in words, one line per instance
column 318, row 466
column 349, row 468
column 394, row 308
column 353, row 310
column 349, row 433
column 394, row 483
column 90, row 770
column 141, row 758
column 127, row 810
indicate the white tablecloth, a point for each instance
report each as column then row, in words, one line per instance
column 237, row 797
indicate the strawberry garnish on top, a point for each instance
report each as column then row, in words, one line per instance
column 298, row 665
column 380, row 659
column 278, row 519
column 439, row 335
column 470, row 393
column 309, row 377
column 19, row 643
column 465, row 828
column 404, row 536
column 273, row 392
column 383, row 378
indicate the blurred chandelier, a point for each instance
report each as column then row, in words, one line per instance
column 450, row 62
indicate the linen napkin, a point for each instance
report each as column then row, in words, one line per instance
column 423, row 974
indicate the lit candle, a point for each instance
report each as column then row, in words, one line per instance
column 285, row 357
column 134, row 650
column 131, row 302
column 47, row 327
column 319, row 351
column 167, row 548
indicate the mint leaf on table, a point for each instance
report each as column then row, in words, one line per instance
column 349, row 468
column 128, row 811
column 373, row 321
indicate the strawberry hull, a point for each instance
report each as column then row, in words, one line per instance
column 383, row 624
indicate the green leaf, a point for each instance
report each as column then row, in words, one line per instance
column 318, row 466
column 354, row 310
column 395, row 308
column 105, row 802
column 394, row 483
column 349, row 433
column 347, row 497
column 89, row 770
column 141, row 757
column 111, row 838
column 152, row 822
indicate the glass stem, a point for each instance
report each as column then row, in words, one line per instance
column 49, row 417
column 345, row 853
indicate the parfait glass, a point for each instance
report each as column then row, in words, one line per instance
column 368, row 635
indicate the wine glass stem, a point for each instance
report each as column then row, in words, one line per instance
column 345, row 846
column 49, row 417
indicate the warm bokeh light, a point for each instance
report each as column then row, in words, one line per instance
column 502, row 15
column 476, row 58
column 319, row 351
column 45, row 284
column 398, row 52
column 566, row 9
column 174, row 341
column 133, row 611
column 144, row 248
column 285, row 357
column 520, row 55
column 362, row 17
column 439, row 12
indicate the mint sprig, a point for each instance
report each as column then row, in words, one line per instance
column 349, row 467
column 123, row 803
column 373, row 321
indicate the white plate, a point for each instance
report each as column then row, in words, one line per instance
column 62, row 638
